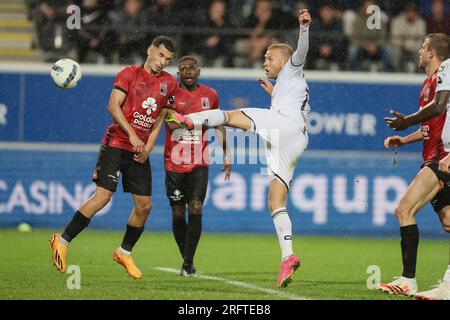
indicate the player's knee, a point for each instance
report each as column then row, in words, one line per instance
column 401, row 213
column 144, row 208
column 103, row 198
column 195, row 207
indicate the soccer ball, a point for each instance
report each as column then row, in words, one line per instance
column 66, row 73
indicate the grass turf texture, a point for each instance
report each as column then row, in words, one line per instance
column 332, row 267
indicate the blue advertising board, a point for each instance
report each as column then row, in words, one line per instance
column 344, row 115
column 343, row 194
column 346, row 183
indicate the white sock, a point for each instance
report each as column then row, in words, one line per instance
column 124, row 252
column 447, row 275
column 283, row 226
column 210, row 118
column 63, row 241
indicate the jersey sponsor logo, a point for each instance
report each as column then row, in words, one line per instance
column 182, row 135
column 150, row 105
column 142, row 120
column 163, row 89
column 205, row 103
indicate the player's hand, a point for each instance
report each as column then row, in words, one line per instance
column 304, row 18
column 394, row 141
column 227, row 169
column 137, row 143
column 397, row 123
column 266, row 85
column 444, row 164
column 141, row 157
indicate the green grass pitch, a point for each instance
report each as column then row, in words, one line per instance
column 234, row 267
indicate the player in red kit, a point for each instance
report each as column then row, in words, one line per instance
column 427, row 186
column 186, row 162
column 139, row 94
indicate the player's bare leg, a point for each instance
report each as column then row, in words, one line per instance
column 135, row 227
column 422, row 190
column 96, row 202
column 237, row 119
column 442, row 290
column 210, row 118
column 277, row 206
column 59, row 242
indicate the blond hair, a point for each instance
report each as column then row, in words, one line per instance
column 283, row 47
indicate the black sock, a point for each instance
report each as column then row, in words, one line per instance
column 132, row 235
column 75, row 226
column 179, row 227
column 409, row 243
column 194, row 230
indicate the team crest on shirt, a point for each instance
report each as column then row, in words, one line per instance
column 205, row 103
column 163, row 89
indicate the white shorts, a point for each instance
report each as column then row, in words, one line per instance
column 283, row 138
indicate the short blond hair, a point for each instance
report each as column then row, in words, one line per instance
column 283, row 47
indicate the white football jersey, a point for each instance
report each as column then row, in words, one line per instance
column 444, row 85
column 290, row 94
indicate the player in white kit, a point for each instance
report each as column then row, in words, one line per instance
column 439, row 105
column 282, row 128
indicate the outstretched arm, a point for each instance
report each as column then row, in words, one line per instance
column 431, row 110
column 304, row 20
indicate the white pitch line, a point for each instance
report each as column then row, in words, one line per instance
column 240, row 284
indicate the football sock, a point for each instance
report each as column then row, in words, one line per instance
column 194, row 230
column 132, row 235
column 409, row 244
column 64, row 241
column 124, row 252
column 179, row 231
column 75, row 226
column 283, row 227
column 210, row 118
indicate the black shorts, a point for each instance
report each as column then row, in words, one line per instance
column 181, row 188
column 136, row 177
column 442, row 198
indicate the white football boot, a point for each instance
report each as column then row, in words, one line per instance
column 400, row 285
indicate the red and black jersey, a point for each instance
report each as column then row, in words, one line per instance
column 433, row 148
column 185, row 149
column 146, row 95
